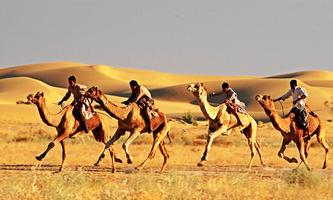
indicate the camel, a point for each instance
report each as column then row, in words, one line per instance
column 290, row 132
column 222, row 122
column 130, row 118
column 67, row 126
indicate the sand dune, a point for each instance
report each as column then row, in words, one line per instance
column 307, row 75
column 110, row 79
column 168, row 89
column 247, row 90
column 13, row 89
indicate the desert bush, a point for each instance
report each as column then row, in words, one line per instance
column 188, row 118
column 304, row 178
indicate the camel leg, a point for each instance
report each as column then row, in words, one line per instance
column 158, row 138
column 59, row 138
column 62, row 142
column 113, row 156
column 49, row 147
column 251, row 145
column 114, row 138
column 322, row 141
column 301, row 147
column 257, row 146
column 283, row 147
column 307, row 148
column 210, row 139
column 152, row 151
column 164, row 153
column 126, row 144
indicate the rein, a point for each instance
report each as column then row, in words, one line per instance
column 104, row 103
column 282, row 108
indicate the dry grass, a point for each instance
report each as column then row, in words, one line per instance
column 185, row 151
column 77, row 185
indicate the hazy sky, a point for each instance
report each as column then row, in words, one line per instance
column 235, row 37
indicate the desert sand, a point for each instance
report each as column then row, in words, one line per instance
column 224, row 177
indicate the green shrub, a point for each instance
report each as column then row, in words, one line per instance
column 188, row 118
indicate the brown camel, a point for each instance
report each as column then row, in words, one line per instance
column 68, row 126
column 290, row 132
column 130, row 118
column 222, row 122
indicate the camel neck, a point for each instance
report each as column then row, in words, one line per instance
column 48, row 118
column 119, row 113
column 208, row 111
column 277, row 121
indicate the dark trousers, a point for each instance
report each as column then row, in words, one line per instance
column 301, row 117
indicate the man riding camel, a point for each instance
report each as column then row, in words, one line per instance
column 299, row 96
column 80, row 103
column 232, row 101
column 142, row 97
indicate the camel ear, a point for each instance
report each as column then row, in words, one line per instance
column 269, row 97
column 42, row 94
column 201, row 83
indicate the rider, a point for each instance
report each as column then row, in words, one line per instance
column 231, row 100
column 80, row 103
column 299, row 96
column 142, row 97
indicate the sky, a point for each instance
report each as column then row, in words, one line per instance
column 225, row 37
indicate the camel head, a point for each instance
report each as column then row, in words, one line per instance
column 266, row 102
column 198, row 90
column 38, row 99
column 95, row 94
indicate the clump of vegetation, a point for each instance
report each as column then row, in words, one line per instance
column 303, row 178
column 188, row 118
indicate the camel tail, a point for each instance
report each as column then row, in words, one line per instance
column 169, row 137
column 311, row 112
column 100, row 113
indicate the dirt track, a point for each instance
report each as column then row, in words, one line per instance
column 265, row 172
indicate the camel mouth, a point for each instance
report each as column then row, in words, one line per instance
column 190, row 88
column 258, row 97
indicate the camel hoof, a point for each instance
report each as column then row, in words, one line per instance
column 39, row 158
column 58, row 172
column 129, row 161
column 201, row 163
column 118, row 160
column 324, row 167
column 294, row 160
column 113, row 171
column 97, row 164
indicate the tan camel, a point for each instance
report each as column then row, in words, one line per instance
column 68, row 126
column 290, row 132
column 130, row 118
column 222, row 122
